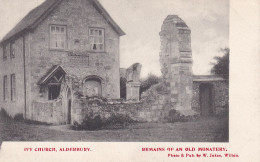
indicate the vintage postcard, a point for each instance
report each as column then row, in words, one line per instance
column 129, row 80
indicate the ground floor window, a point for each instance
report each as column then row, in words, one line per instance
column 13, row 87
column 5, row 88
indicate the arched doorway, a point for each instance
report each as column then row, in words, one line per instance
column 92, row 87
column 69, row 106
column 206, row 99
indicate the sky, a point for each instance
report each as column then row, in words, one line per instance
column 141, row 20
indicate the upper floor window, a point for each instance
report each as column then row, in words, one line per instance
column 13, row 87
column 58, row 37
column 5, row 88
column 12, row 51
column 96, row 37
column 4, row 52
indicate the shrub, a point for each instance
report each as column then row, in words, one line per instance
column 89, row 123
column 148, row 82
column 4, row 116
column 115, row 121
column 18, row 117
column 118, row 121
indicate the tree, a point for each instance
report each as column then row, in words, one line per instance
column 221, row 64
column 148, row 82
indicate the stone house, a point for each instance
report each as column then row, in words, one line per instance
column 61, row 50
column 61, row 62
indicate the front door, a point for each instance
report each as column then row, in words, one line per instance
column 69, row 107
column 206, row 99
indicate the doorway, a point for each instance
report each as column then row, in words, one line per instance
column 69, row 106
column 206, row 101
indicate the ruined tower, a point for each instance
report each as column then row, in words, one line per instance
column 176, row 63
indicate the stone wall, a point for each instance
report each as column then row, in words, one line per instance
column 49, row 112
column 220, row 96
column 13, row 66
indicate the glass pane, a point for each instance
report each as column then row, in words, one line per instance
column 95, row 40
column 100, row 39
column 100, row 32
column 94, row 47
column 91, row 40
column 101, row 46
column 96, row 32
column 57, row 29
column 91, row 32
column 52, row 29
column 62, row 30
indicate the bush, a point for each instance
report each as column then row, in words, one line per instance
column 118, row 121
column 18, row 117
column 123, row 88
column 89, row 123
column 115, row 121
column 4, row 116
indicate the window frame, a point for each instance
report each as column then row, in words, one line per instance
column 5, row 52
column 13, row 87
column 5, row 88
column 92, row 43
column 12, row 49
column 53, row 35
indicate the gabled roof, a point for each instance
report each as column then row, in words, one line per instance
column 37, row 15
column 50, row 74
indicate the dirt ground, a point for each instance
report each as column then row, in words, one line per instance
column 211, row 129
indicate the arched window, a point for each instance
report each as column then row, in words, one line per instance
column 92, row 87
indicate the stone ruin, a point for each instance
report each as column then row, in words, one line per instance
column 132, row 76
column 176, row 63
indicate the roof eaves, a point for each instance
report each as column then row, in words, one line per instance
column 107, row 16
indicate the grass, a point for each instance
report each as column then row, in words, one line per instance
column 211, row 129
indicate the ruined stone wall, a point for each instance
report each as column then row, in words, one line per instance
column 176, row 63
column 13, row 66
column 220, row 96
column 78, row 16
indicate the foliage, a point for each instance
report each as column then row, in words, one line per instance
column 123, row 88
column 118, row 121
column 149, row 82
column 4, row 116
column 221, row 66
column 115, row 121
column 18, row 117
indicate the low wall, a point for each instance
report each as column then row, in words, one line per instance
column 49, row 112
column 138, row 111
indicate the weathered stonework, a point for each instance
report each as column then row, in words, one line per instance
column 176, row 63
column 133, row 82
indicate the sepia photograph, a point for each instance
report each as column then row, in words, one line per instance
column 114, row 71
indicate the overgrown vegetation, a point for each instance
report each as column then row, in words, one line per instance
column 123, row 88
column 221, row 64
column 4, row 116
column 115, row 121
column 149, row 82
